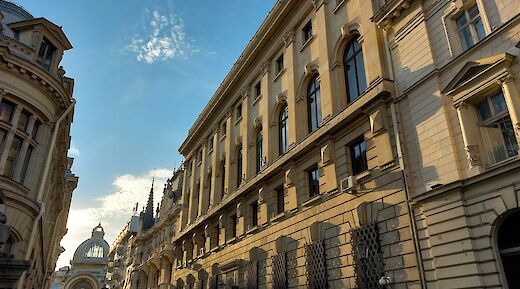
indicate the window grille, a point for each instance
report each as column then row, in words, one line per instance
column 316, row 265
column 368, row 257
column 251, row 275
column 280, row 271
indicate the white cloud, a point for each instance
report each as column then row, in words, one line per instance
column 113, row 210
column 73, row 150
column 166, row 39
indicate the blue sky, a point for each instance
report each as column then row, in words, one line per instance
column 143, row 72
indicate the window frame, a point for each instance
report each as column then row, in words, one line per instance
column 280, row 200
column 471, row 23
column 307, row 32
column 283, row 130
column 313, row 184
column 280, row 65
column 314, row 101
column 359, row 68
column 254, row 214
column 259, row 157
column 239, row 165
column 353, row 163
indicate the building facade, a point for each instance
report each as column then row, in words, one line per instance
column 121, row 254
column 355, row 144
column 36, row 110
column 89, row 265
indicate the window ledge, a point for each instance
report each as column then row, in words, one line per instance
column 312, row 200
column 210, row 151
column 215, row 249
column 222, row 137
column 306, row 43
column 279, row 74
column 362, row 175
column 257, row 99
column 278, row 217
column 252, row 230
column 238, row 120
column 199, row 163
column 232, row 240
column 340, row 4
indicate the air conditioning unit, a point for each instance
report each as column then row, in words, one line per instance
column 349, row 185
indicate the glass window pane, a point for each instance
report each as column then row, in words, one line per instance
column 351, row 81
column 35, row 129
column 349, row 51
column 484, row 111
column 12, row 157
column 23, row 120
column 360, row 66
column 479, row 27
column 499, row 103
column 6, row 111
column 26, row 163
column 466, row 38
column 473, row 11
column 508, row 133
column 461, row 21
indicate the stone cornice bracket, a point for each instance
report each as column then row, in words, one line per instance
column 311, row 69
column 239, row 210
column 221, row 221
column 289, row 37
column 503, row 80
column 318, row 3
column 281, row 98
column 245, row 92
column 206, row 231
column 265, row 67
column 390, row 11
column 261, row 196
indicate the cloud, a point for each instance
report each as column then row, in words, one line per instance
column 73, row 150
column 112, row 210
column 164, row 39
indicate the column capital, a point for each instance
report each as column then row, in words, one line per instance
column 506, row 79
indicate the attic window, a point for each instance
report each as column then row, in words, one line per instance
column 46, row 53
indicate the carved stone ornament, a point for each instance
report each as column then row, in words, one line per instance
column 239, row 210
column 289, row 178
column 311, row 69
column 281, row 98
column 265, row 67
column 261, row 196
column 325, row 154
column 318, row 3
column 289, row 37
column 378, row 120
column 473, row 155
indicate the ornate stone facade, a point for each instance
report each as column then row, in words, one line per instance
column 355, row 144
column 36, row 111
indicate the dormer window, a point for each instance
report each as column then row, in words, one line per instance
column 46, row 54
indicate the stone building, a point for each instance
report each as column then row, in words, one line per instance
column 355, row 143
column 89, row 264
column 36, row 111
column 121, row 254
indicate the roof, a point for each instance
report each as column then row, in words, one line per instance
column 54, row 29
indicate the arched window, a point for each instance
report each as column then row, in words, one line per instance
column 314, row 104
column 259, row 152
column 283, row 131
column 95, row 251
column 508, row 240
column 355, row 78
column 239, row 166
column 223, row 178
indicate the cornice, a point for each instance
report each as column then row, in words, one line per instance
column 36, row 75
column 391, row 10
column 262, row 36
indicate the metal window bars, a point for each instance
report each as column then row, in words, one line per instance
column 279, row 267
column 368, row 257
column 316, row 265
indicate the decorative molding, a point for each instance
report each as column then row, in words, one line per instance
column 472, row 154
column 265, row 67
column 261, row 196
column 289, row 178
column 318, row 3
column 281, row 98
column 311, row 69
column 325, row 155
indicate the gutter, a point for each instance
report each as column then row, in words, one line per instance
column 413, row 225
column 41, row 189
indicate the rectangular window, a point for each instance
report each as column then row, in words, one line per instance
column 23, row 120
column 234, row 226
column 224, row 127
column 470, row 27
column 280, row 200
column 279, row 64
column 36, row 126
column 239, row 111
column 254, row 214
column 200, row 155
column 217, row 236
column 12, row 157
column 307, row 31
column 358, row 156
column 46, row 54
column 258, row 89
column 497, row 129
column 6, row 111
column 313, row 176
column 26, row 163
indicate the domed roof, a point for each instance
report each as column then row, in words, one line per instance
column 14, row 12
column 94, row 250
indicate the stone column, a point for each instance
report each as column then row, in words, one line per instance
column 185, row 197
column 328, row 102
column 247, row 170
column 203, row 195
column 193, row 192
column 295, row 131
column 263, row 215
column 214, row 171
column 469, row 136
column 229, row 154
column 266, row 105
column 512, row 97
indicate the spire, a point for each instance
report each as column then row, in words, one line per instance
column 148, row 213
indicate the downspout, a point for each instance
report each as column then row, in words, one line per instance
column 41, row 189
column 413, row 225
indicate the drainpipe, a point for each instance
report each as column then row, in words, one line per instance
column 413, row 225
column 41, row 189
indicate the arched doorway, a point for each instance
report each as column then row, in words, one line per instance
column 508, row 240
